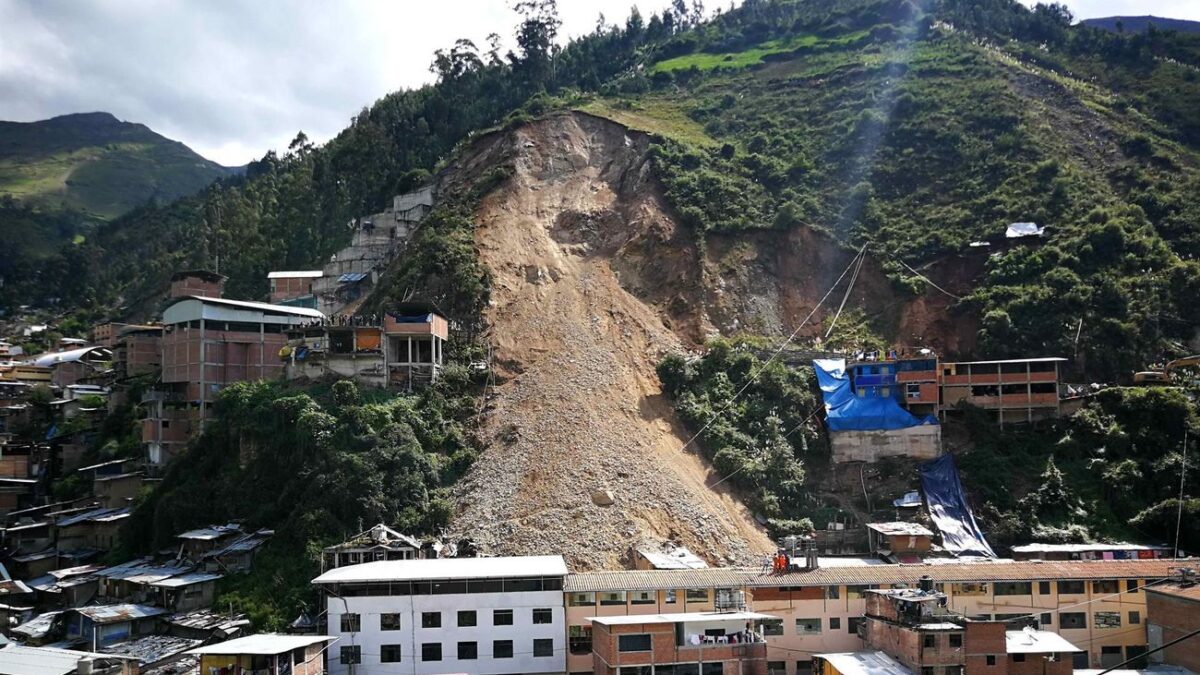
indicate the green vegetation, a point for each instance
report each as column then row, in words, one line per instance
column 1110, row 472
column 761, row 443
column 757, row 54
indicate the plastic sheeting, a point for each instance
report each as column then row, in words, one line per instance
column 846, row 412
column 1018, row 230
column 948, row 508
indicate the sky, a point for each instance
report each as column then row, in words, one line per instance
column 235, row 78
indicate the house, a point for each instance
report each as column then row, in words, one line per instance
column 90, row 528
column 206, row 624
column 26, row 660
column 77, row 365
column 448, row 615
column 134, row 581
column 1173, row 611
column 152, row 651
column 378, row 543
column 237, row 555
column 416, row 336
column 201, row 283
column 1014, row 390
column 137, row 350
column 195, row 543
column 901, row 541
column 267, row 653
column 188, row 591
column 209, row 343
column 858, row 663
column 291, row 285
column 68, row 587
column 711, row 642
column 116, row 490
column 101, row 625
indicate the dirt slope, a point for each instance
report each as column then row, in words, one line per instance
column 593, row 281
column 567, row 239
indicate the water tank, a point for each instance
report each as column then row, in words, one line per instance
column 85, row 666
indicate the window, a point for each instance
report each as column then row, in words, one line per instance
column 1018, row 658
column 581, row 599
column 431, row 620
column 1070, row 587
column 1072, row 620
column 956, row 640
column 912, row 390
column 642, row 598
column 808, row 626
column 389, row 653
column 502, row 617
column 776, row 667
column 468, row 651
column 855, row 591
column 639, row 642
column 431, row 651
column 969, row 588
column 1046, row 619
column 670, row 597
column 351, row 623
column 1012, row 588
column 1043, row 588
column 502, row 649
column 543, row 615
column 579, row 639
column 351, row 655
column 298, row 656
column 929, row 641
column 991, row 659
column 1132, row 586
column 954, row 670
column 804, row 668
column 1135, row 617
column 772, row 626
column 885, row 392
column 831, row 592
column 614, row 598
column 927, row 670
column 697, row 595
column 835, row 623
column 1107, row 619
column 1106, row 586
column 466, row 618
column 854, row 622
column 545, row 647
column 389, row 622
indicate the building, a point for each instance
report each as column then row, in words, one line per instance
column 1015, row 390
column 705, row 643
column 76, row 366
column 668, row 557
column 448, row 615
column 202, row 283
column 209, row 343
column 901, row 541
column 1089, row 552
column 858, row 663
column 101, row 625
column 378, row 543
column 25, row 660
column 137, row 350
column 266, row 653
column 291, row 285
column 1173, row 611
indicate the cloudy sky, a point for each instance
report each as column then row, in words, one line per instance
column 234, row 78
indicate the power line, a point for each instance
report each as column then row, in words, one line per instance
column 926, row 279
column 1151, row 651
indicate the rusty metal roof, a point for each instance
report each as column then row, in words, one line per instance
column 103, row 614
column 1177, row 590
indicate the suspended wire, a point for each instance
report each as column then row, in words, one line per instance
column 862, row 255
column 926, row 279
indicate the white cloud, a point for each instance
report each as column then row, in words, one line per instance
column 1090, row 9
column 235, row 78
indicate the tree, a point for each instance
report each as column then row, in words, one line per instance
column 535, row 38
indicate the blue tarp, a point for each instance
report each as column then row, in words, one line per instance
column 948, row 508
column 846, row 412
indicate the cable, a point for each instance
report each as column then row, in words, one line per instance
column 1182, row 474
column 754, row 375
column 1151, row 651
column 926, row 279
column 793, row 430
column 849, row 287
column 1088, row 602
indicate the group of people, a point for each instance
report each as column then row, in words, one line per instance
column 363, row 320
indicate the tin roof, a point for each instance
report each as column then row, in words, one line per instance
column 865, row 663
column 263, row 643
column 448, row 568
column 38, row 626
column 188, row 579
column 1031, row 641
column 295, row 274
column 45, row 660
column 1177, row 590
column 682, row 617
column 207, row 619
column 211, row 532
column 103, row 614
column 1080, row 548
column 152, row 648
column 900, row 529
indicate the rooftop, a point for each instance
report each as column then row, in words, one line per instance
column 1042, row 359
column 189, row 579
column 1030, row 641
column 263, row 643
column 103, row 614
column 55, row 358
column 211, row 532
column 676, row 559
column 1080, row 548
column 865, row 663
column 152, row 648
column 295, row 274
column 1022, row 570
column 24, row 660
column 901, row 529
column 1177, row 590
column 649, row 580
column 264, row 307
column 684, row 617
column 447, row 568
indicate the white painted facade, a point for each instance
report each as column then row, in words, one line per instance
column 412, row 633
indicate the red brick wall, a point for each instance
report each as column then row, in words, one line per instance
column 195, row 286
column 1178, row 617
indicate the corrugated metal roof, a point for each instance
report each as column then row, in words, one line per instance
column 152, row 648
column 1031, row 641
column 38, row 626
column 70, row 356
column 186, row 580
column 447, row 568
column 351, row 277
column 1177, row 590
column 295, row 274
column 25, row 660
column 211, row 532
column 649, row 580
column 103, row 614
column 900, row 529
column 865, row 663
column 263, row 643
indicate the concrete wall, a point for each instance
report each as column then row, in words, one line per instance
column 411, row 635
column 921, row 442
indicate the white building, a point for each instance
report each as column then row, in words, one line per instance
column 447, row 615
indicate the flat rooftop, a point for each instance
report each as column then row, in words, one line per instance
column 1030, row 641
column 448, row 568
column 865, row 663
column 263, row 644
column 683, row 617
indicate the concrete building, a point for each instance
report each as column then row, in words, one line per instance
column 137, row 350
column 1173, row 611
column 448, row 615
column 266, row 653
column 291, row 285
column 200, row 283
column 711, row 643
column 1016, row 390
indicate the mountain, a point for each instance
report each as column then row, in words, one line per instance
column 98, row 165
column 1139, row 24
